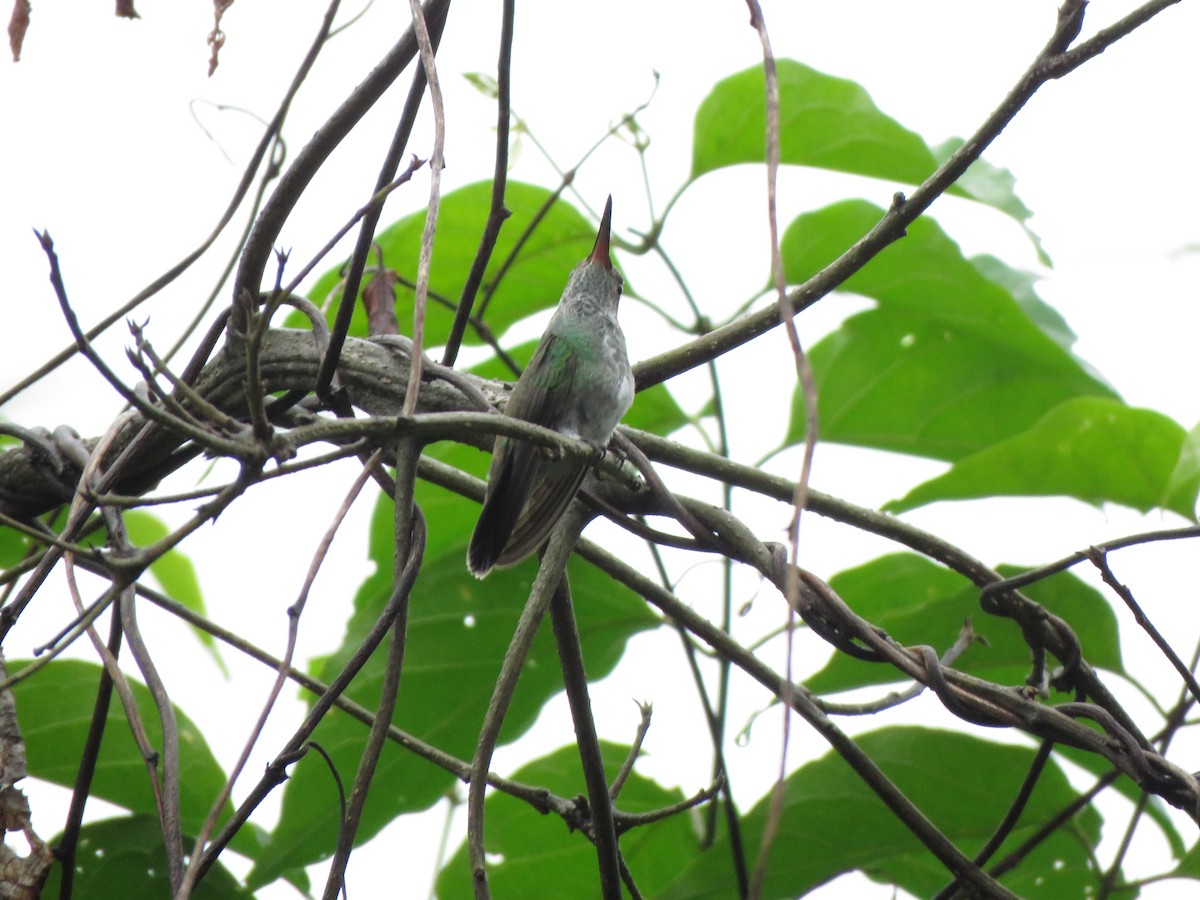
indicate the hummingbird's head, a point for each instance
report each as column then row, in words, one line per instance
column 595, row 277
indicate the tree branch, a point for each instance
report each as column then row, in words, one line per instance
column 550, row 572
column 1050, row 63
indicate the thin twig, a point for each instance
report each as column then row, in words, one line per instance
column 276, row 770
column 626, row 821
column 537, row 797
column 270, row 173
column 1100, row 561
column 226, row 217
column 635, row 750
column 294, row 613
column 966, row 636
column 1004, row 829
column 1052, row 62
column 323, row 143
column 207, row 439
column 497, row 212
column 570, row 656
column 1041, row 572
column 407, row 452
column 88, row 758
column 170, row 813
column 802, row 702
column 108, row 658
column 436, row 164
column 550, row 573
column 716, row 734
column 808, row 386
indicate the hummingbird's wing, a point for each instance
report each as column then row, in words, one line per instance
column 543, row 397
column 526, row 491
column 510, row 478
column 550, row 497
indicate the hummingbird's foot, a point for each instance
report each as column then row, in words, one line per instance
column 617, row 453
column 599, row 451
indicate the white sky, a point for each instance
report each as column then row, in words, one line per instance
column 100, row 147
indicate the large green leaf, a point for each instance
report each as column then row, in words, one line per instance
column 55, row 710
column 833, row 823
column 1092, row 448
column 539, row 857
column 459, row 628
column 1021, row 285
column 950, row 362
column 917, row 601
column 124, row 858
column 534, row 281
column 829, row 123
column 825, row 122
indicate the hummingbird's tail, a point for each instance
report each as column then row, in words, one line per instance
column 524, row 500
column 507, row 489
column 484, row 549
column 546, row 504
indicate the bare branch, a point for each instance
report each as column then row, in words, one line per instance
column 550, row 572
column 497, row 213
column 903, row 211
column 183, row 265
column 600, row 808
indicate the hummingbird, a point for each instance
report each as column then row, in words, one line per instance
column 579, row 384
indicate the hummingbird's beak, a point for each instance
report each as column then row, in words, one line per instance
column 599, row 252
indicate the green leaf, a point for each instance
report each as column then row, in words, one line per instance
column 843, row 826
column 535, row 280
column 825, row 122
column 14, row 547
column 532, row 845
column 483, row 82
column 173, row 571
column 1091, row 448
column 458, row 630
column 829, row 123
column 917, row 601
column 655, row 409
column 1185, row 477
column 994, row 186
column 1189, row 866
column 55, row 710
column 1020, row 285
column 124, row 857
column 947, row 364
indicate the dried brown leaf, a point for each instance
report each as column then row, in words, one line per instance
column 18, row 24
column 379, row 300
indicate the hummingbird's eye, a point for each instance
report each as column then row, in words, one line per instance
column 620, row 284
